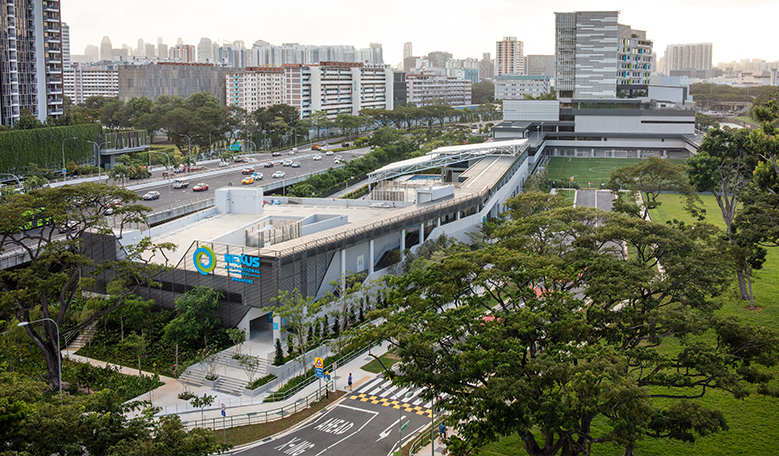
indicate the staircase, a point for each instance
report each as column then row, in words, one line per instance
column 83, row 338
column 230, row 385
column 193, row 376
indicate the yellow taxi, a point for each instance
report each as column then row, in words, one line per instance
column 247, row 180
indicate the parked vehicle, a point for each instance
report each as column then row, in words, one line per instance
column 278, row 174
column 201, row 187
column 180, row 183
column 152, row 195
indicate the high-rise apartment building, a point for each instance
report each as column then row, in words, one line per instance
column 255, row 88
column 438, row 59
column 65, row 45
column 594, row 55
column 509, row 56
column 84, row 80
column 486, row 67
column 685, row 57
column 30, row 59
column 338, row 88
column 427, row 89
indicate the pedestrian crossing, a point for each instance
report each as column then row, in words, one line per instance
column 383, row 392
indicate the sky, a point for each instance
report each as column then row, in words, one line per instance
column 739, row 29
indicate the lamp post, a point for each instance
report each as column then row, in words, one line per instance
column 400, row 420
column 294, row 135
column 98, row 158
column 189, row 148
column 59, row 353
column 169, row 172
column 63, row 157
column 18, row 181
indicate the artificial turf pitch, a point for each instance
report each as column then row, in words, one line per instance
column 586, row 172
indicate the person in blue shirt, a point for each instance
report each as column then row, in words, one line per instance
column 442, row 431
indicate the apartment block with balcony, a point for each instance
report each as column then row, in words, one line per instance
column 520, row 87
column 427, row 89
column 255, row 88
column 634, row 57
column 31, row 76
column 338, row 88
column 86, row 80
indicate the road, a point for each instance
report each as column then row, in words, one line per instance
column 599, row 199
column 220, row 177
column 365, row 423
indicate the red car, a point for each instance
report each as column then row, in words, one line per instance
column 201, row 187
column 247, row 171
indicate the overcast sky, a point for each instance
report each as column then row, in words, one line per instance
column 739, row 29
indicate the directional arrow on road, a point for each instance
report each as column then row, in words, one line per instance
column 387, row 431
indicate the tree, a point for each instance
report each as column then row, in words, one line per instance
column 649, row 177
column 278, row 358
column 202, row 402
column 546, row 334
column 136, row 345
column 196, row 317
column 724, row 166
column 482, row 91
column 250, row 365
column 237, row 336
column 301, row 314
column 60, row 269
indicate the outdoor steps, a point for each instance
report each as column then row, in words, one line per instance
column 225, row 358
column 230, row 385
column 193, row 376
column 83, row 338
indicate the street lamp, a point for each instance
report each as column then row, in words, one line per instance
column 63, row 157
column 18, row 181
column 169, row 173
column 400, row 418
column 59, row 353
column 189, row 148
column 98, row 159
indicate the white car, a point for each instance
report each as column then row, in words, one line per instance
column 329, row 152
column 180, row 183
column 223, row 164
column 278, row 174
column 317, row 157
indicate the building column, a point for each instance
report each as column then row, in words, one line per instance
column 458, row 215
column 402, row 242
column 370, row 257
column 438, row 222
column 343, row 270
column 421, row 233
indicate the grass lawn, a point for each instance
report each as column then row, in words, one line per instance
column 374, row 367
column 567, row 194
column 586, row 172
column 753, row 426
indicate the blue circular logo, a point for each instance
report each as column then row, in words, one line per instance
column 207, row 268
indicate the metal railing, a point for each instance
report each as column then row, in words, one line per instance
column 259, row 417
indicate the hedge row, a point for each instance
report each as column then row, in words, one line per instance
column 43, row 146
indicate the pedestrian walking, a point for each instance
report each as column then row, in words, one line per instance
column 442, row 431
column 349, row 381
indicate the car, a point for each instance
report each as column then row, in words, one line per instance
column 338, row 157
column 315, row 147
column 152, row 195
column 293, row 151
column 317, row 157
column 276, row 154
column 180, row 183
column 344, row 144
column 257, row 176
column 115, row 202
column 329, row 152
column 286, row 163
column 268, row 165
column 248, row 180
column 239, row 159
column 247, row 171
column 223, row 164
column 337, row 161
column 296, row 165
column 201, row 187
column 278, row 174
column 112, row 205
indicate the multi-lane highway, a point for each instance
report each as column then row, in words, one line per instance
column 217, row 177
column 369, row 422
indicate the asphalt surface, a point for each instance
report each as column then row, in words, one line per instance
column 599, row 199
column 364, row 423
column 217, row 177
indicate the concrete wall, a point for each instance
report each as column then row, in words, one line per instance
column 182, row 80
column 321, row 223
column 239, row 200
column 531, row 110
column 637, row 122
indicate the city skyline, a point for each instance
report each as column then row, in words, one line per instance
column 468, row 29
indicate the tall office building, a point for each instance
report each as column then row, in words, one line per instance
column 408, row 50
column 509, row 56
column 31, row 60
column 438, row 59
column 486, row 67
column 685, row 57
column 91, row 53
column 539, row 65
column 106, row 50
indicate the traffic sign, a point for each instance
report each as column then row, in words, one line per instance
column 224, row 413
column 319, row 367
column 224, row 407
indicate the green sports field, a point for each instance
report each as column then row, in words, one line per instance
column 586, row 172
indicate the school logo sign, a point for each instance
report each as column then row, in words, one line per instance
column 201, row 254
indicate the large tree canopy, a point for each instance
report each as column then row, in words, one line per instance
column 551, row 326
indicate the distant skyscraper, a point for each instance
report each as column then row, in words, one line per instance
column 539, row 65
column 408, row 50
column 150, row 51
column 205, row 53
column 30, row 60
column 65, row 44
column 438, row 59
column 140, row 51
column 377, row 53
column 92, row 53
column 162, row 51
column 106, row 50
column 180, row 41
column 509, row 56
column 685, row 57
column 486, row 67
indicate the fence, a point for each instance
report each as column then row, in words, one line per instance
column 259, row 417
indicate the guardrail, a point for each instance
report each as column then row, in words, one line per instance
column 260, row 417
column 425, row 436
